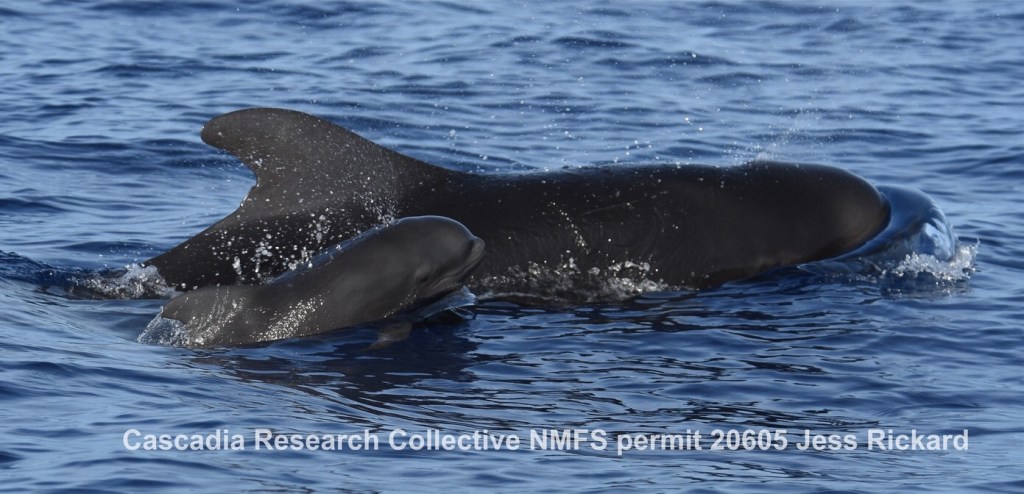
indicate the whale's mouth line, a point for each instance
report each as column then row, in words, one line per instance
column 476, row 256
column 452, row 282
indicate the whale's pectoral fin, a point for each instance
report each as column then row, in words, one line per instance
column 389, row 335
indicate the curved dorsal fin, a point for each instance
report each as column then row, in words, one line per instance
column 302, row 159
column 316, row 184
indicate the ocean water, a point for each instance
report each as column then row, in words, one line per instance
column 101, row 167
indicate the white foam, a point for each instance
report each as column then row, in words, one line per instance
column 957, row 269
column 165, row 332
column 567, row 283
column 136, row 281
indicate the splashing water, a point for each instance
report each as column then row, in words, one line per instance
column 922, row 270
column 136, row 281
column 917, row 252
column 164, row 332
column 566, row 284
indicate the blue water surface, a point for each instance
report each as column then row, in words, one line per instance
column 101, row 167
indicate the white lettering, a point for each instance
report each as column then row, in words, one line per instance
column 124, row 439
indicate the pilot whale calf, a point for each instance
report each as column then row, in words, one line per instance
column 686, row 225
column 365, row 279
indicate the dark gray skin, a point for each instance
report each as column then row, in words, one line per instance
column 365, row 279
column 696, row 226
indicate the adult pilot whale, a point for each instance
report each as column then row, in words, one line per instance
column 368, row 278
column 686, row 225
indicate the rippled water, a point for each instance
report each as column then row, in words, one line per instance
column 101, row 166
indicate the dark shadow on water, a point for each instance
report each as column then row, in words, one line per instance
column 342, row 364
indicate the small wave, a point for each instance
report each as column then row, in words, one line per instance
column 517, row 40
column 671, row 60
column 734, row 79
column 164, row 332
column 11, row 206
column 601, row 39
column 134, row 282
column 927, row 268
column 453, row 301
